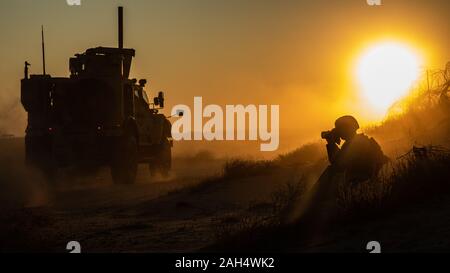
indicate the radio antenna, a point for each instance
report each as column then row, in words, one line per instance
column 43, row 49
column 120, row 11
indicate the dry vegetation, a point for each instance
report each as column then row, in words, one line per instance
column 415, row 179
column 412, row 179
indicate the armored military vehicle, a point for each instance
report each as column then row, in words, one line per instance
column 97, row 116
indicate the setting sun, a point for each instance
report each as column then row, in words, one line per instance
column 386, row 72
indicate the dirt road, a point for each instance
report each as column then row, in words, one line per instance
column 102, row 216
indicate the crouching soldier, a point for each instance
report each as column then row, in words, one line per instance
column 359, row 158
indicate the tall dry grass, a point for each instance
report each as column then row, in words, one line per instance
column 421, row 175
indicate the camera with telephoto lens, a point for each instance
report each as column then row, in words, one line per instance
column 331, row 136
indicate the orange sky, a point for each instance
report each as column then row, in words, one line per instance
column 298, row 54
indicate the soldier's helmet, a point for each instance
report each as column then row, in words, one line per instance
column 346, row 124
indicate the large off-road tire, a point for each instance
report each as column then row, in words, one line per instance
column 166, row 159
column 163, row 160
column 125, row 162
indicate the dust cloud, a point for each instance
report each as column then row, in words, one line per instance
column 21, row 186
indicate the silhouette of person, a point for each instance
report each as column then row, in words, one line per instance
column 359, row 158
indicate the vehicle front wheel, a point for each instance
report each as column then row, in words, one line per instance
column 163, row 161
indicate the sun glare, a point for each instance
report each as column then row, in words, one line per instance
column 386, row 72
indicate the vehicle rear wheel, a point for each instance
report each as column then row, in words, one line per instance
column 38, row 156
column 125, row 162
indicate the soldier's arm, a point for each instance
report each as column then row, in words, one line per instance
column 332, row 150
